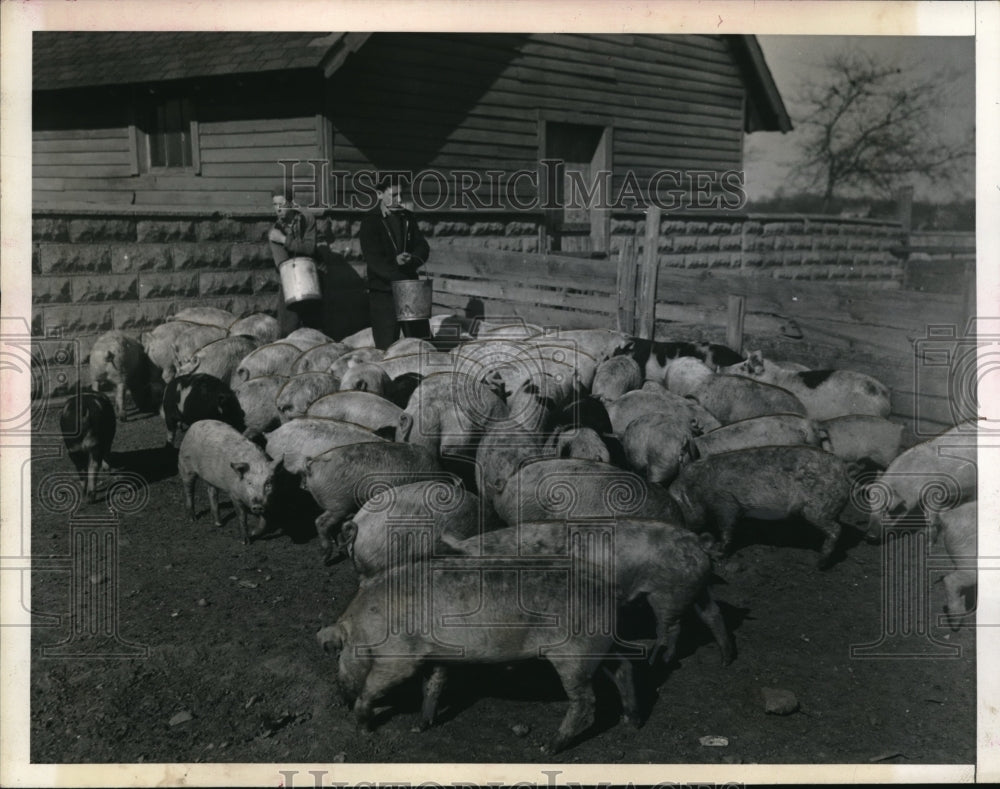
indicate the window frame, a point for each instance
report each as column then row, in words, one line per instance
column 143, row 105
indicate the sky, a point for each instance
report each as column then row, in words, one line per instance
column 793, row 60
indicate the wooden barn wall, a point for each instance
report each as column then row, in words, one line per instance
column 81, row 153
column 445, row 102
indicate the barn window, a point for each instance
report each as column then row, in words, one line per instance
column 166, row 135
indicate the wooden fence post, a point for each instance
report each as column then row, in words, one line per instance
column 734, row 323
column 626, row 287
column 646, row 308
column 904, row 212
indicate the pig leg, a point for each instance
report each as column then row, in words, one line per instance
column 187, row 480
column 576, row 680
column 241, row 516
column 120, row 401
column 831, row 529
column 384, row 675
column 624, row 680
column 709, row 613
column 213, row 503
column 433, row 685
column 954, row 584
column 92, row 466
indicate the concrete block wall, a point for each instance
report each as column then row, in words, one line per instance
column 811, row 248
column 92, row 273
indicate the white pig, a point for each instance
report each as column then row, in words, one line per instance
column 956, row 530
column 363, row 408
column 308, row 436
column 273, row 359
column 259, row 325
column 225, row 460
column 301, row 391
column 861, row 437
column 120, row 360
column 220, row 358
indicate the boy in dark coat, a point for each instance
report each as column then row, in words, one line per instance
column 393, row 249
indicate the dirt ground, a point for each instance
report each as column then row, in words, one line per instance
column 229, row 669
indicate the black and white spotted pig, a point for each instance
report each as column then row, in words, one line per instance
column 87, row 422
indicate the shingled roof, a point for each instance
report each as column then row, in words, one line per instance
column 77, row 59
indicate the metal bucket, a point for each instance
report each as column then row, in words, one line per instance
column 298, row 280
column 412, row 298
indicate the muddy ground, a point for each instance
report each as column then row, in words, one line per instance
column 228, row 668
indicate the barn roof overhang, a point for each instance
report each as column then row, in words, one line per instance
column 87, row 59
column 765, row 109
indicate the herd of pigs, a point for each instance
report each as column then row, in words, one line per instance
column 499, row 441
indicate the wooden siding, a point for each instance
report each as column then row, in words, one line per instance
column 449, row 102
column 81, row 148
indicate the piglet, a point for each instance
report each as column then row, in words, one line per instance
column 87, row 422
column 217, row 453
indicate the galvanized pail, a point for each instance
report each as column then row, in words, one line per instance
column 412, row 298
column 298, row 280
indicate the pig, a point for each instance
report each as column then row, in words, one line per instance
column 423, row 363
column 87, row 423
column 560, row 489
column 191, row 398
column 579, row 442
column 599, row 344
column 364, row 377
column 685, row 374
column 365, row 675
column 339, row 367
column 257, row 398
column 305, row 338
column 453, row 513
column 274, row 359
column 945, row 465
column 632, row 405
column 661, row 561
column 826, row 394
column 220, row 358
column 401, row 388
column 730, row 398
column 956, row 530
column 319, row 358
column 342, row 479
column 363, row 408
column 774, row 430
column 193, row 340
column 482, row 359
column 860, row 437
column 159, row 346
column 120, row 360
column 511, row 331
column 207, row 316
column 300, row 391
column 536, row 403
column 448, row 414
column 584, row 365
column 225, row 460
column 615, row 377
column 262, row 327
column 772, row 483
column 653, row 356
column 407, row 346
column 302, row 438
column 653, row 444
column 504, row 448
column 360, row 339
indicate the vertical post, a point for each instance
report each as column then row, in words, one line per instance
column 626, row 286
column 904, row 212
column 969, row 297
column 734, row 322
column 646, row 310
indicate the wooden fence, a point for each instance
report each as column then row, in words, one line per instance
column 823, row 325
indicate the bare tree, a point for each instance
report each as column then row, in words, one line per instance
column 868, row 126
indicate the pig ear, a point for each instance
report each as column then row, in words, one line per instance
column 405, row 426
column 240, row 468
column 348, row 533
